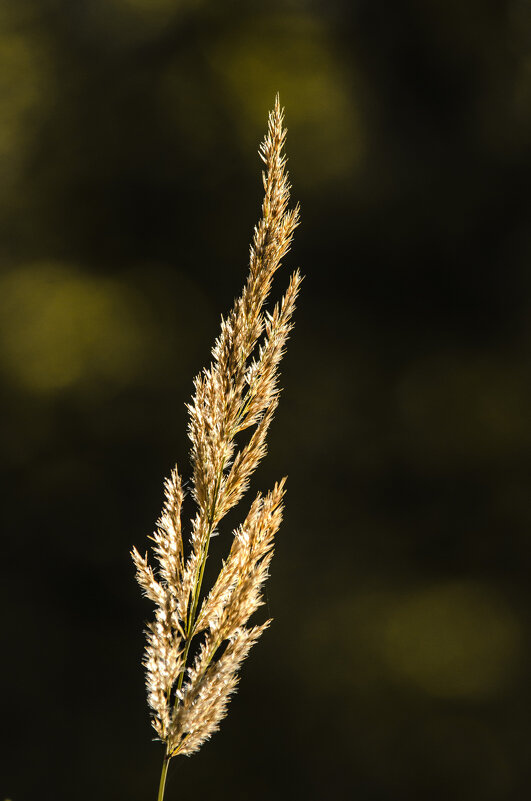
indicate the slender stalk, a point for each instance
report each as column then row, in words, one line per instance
column 199, row 579
column 197, row 591
column 163, row 775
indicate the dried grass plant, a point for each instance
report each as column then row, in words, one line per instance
column 197, row 641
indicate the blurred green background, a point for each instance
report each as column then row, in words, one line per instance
column 397, row 665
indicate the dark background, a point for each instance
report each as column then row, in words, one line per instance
column 397, row 665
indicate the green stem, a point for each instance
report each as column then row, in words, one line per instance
column 199, row 577
column 163, row 775
column 198, row 583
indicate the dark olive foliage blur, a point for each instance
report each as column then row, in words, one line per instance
column 396, row 667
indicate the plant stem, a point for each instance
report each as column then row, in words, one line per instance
column 197, row 588
column 163, row 774
column 199, row 577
